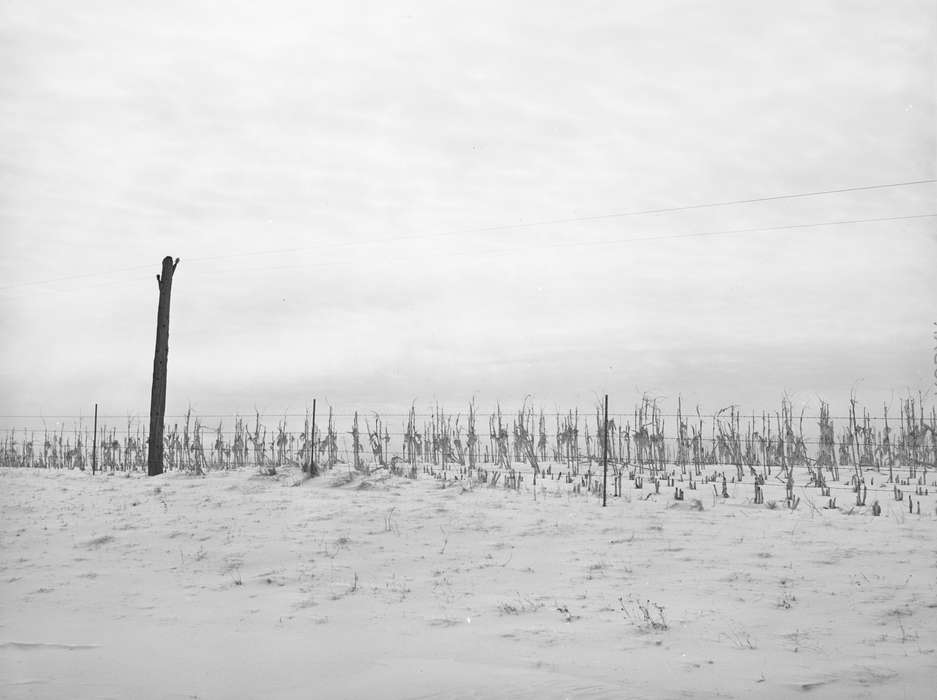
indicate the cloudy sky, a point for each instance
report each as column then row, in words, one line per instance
column 378, row 202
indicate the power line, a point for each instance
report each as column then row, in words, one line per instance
column 596, row 217
column 616, row 241
column 530, row 224
column 77, row 277
column 724, row 232
column 690, row 207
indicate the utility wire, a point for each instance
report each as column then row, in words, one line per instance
column 77, row 277
column 596, row 217
column 723, row 232
column 689, row 207
column 505, row 227
column 583, row 244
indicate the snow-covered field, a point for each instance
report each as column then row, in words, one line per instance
column 237, row 585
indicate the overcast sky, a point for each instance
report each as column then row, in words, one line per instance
column 345, row 184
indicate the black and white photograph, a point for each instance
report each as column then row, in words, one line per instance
column 431, row 350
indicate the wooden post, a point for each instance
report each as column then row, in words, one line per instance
column 313, row 471
column 94, row 443
column 605, row 455
column 355, row 437
column 160, row 360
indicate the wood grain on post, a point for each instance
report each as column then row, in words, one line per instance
column 158, row 394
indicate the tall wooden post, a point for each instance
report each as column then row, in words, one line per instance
column 158, row 394
column 605, row 455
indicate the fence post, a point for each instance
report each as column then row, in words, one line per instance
column 605, row 455
column 94, row 443
column 312, row 459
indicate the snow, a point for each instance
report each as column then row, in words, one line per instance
column 236, row 585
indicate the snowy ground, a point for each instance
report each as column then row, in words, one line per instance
column 242, row 586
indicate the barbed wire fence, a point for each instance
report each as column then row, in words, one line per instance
column 648, row 447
